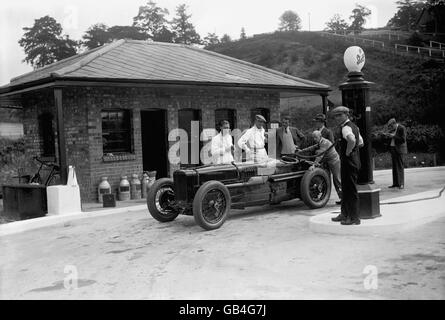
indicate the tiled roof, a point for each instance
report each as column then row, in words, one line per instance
column 164, row 62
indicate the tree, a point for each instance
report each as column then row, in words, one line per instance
column 127, row 32
column 183, row 28
column 436, row 23
column 290, row 21
column 211, row 39
column 358, row 17
column 151, row 19
column 226, row 38
column 337, row 24
column 44, row 44
column 97, row 35
column 407, row 14
column 243, row 34
column 164, row 35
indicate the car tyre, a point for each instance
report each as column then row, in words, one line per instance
column 160, row 196
column 315, row 188
column 211, row 205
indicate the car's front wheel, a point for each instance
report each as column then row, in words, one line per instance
column 315, row 188
column 161, row 200
column 211, row 205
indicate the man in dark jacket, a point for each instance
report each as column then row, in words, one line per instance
column 350, row 141
column 397, row 134
column 287, row 138
column 320, row 125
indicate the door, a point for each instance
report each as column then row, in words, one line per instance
column 154, row 142
column 190, row 121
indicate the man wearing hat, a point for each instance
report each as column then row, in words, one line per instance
column 253, row 141
column 350, row 141
column 320, row 125
column 287, row 138
column 397, row 134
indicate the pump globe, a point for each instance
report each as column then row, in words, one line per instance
column 354, row 59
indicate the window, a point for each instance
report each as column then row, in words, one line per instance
column 225, row 114
column 116, row 131
column 46, row 133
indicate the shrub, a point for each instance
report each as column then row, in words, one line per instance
column 415, row 40
column 419, row 138
column 308, row 56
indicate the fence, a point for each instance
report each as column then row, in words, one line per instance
column 390, row 35
column 432, row 43
column 420, row 50
column 373, row 43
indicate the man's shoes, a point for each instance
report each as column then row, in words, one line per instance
column 338, row 202
column 402, row 187
column 339, row 218
column 349, row 222
column 393, row 186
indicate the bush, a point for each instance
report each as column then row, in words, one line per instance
column 9, row 149
column 308, row 57
column 415, row 40
column 411, row 160
column 419, row 138
column 12, row 157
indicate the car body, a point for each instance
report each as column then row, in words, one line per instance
column 209, row 192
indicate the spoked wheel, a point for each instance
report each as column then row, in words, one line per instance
column 161, row 200
column 315, row 188
column 211, row 205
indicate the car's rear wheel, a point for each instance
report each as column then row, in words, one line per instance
column 161, row 200
column 211, row 205
column 315, row 188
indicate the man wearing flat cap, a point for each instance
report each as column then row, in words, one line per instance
column 320, row 125
column 253, row 141
column 350, row 141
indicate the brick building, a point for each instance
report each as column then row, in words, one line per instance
column 109, row 111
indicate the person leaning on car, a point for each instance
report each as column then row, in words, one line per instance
column 320, row 125
column 253, row 141
column 222, row 145
column 327, row 153
column 287, row 138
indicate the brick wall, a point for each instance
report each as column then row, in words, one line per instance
column 83, row 125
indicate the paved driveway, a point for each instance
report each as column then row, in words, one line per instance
column 260, row 253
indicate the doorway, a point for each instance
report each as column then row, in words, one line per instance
column 154, row 142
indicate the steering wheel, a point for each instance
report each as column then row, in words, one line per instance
column 289, row 159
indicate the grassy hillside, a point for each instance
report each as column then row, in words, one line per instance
column 398, row 79
column 408, row 88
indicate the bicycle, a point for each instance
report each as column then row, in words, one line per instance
column 53, row 177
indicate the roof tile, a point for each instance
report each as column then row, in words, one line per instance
column 157, row 61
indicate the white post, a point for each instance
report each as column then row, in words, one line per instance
column 430, row 52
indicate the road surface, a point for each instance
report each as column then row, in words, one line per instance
column 260, row 253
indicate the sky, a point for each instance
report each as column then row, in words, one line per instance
column 218, row 16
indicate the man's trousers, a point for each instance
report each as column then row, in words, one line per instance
column 398, row 174
column 349, row 202
column 334, row 167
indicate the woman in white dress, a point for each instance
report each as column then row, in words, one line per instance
column 222, row 145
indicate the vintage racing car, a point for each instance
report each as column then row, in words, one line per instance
column 208, row 192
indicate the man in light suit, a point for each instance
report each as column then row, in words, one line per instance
column 397, row 134
column 287, row 138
